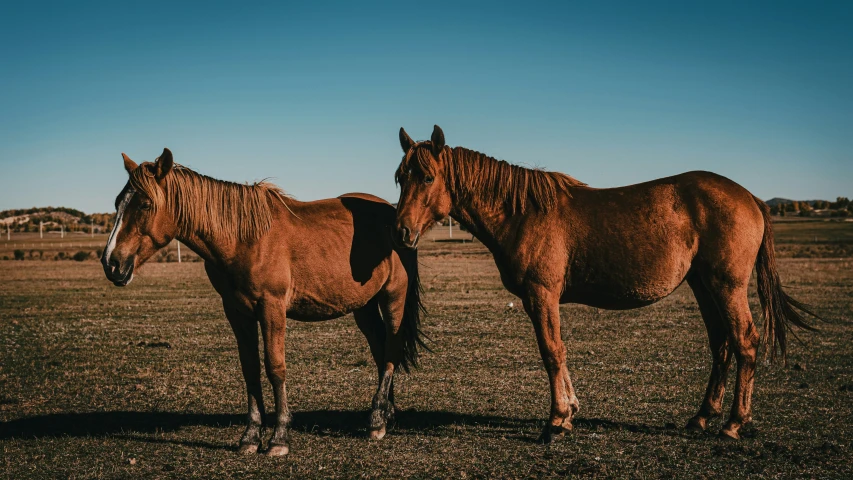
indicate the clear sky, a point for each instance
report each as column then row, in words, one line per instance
column 313, row 96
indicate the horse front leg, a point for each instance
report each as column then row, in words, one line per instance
column 246, row 332
column 271, row 316
column 543, row 307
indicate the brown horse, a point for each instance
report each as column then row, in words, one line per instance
column 270, row 258
column 555, row 240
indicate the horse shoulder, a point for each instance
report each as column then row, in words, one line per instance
column 540, row 251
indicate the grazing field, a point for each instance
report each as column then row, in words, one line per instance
column 99, row 381
column 814, row 238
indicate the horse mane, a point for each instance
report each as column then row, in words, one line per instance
column 207, row 206
column 471, row 173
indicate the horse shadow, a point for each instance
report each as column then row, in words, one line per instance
column 140, row 425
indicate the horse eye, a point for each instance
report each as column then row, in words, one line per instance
column 145, row 206
column 428, row 179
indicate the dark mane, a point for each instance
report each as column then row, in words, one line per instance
column 473, row 173
column 209, row 206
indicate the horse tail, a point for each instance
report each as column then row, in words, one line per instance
column 413, row 337
column 780, row 310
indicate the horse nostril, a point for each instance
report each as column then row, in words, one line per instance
column 404, row 232
column 114, row 265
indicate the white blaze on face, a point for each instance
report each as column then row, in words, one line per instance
column 111, row 243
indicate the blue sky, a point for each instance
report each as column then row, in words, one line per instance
column 312, row 96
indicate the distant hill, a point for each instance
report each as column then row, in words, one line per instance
column 776, row 201
column 55, row 218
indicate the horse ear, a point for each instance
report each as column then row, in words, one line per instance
column 164, row 164
column 406, row 141
column 437, row 140
column 129, row 164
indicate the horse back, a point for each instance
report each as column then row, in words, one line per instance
column 631, row 246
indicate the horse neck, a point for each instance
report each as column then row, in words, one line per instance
column 488, row 225
column 210, row 246
column 484, row 218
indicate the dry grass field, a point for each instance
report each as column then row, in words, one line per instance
column 144, row 381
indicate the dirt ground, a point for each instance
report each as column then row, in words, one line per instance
column 99, row 381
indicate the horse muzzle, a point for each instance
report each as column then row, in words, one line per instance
column 119, row 274
column 408, row 238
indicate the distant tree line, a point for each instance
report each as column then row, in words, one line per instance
column 841, row 207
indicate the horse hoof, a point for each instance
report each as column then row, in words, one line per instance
column 695, row 425
column 248, row 448
column 378, row 434
column 550, row 437
column 729, row 434
column 553, row 433
column 277, row 451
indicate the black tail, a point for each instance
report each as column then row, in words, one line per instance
column 413, row 338
column 779, row 309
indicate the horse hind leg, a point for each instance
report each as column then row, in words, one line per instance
column 712, row 405
column 370, row 323
column 743, row 338
column 392, row 303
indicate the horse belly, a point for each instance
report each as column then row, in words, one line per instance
column 328, row 304
column 629, row 281
column 325, row 297
column 617, row 297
